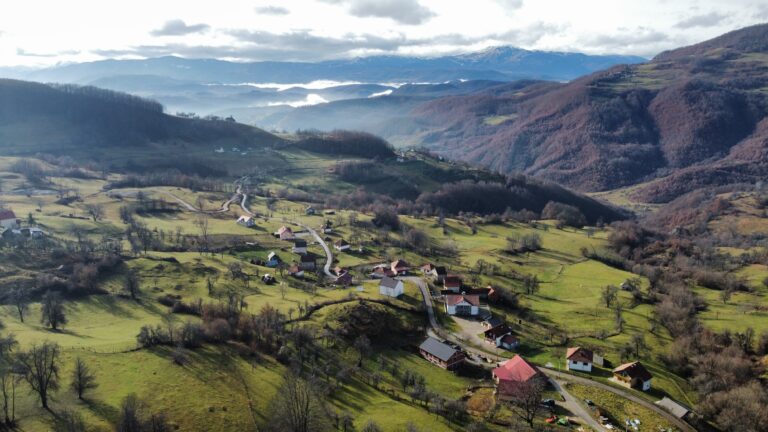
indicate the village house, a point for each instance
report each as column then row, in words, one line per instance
column 308, row 262
column 391, row 287
column 381, row 271
column 341, row 245
column 439, row 273
column 633, row 375
column 310, row 211
column 441, row 354
column 285, row 233
column 501, row 337
column 327, row 227
column 465, row 305
column 273, row 260
column 344, row 279
column 675, row 408
column 246, row 221
column 452, row 283
column 33, row 232
column 295, row 271
column 579, row 359
column 492, row 322
column 8, row 219
column 338, row 270
column 427, row 269
column 400, row 267
column 299, row 246
column 513, row 373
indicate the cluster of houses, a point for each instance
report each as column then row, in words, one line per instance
column 632, row 375
column 10, row 226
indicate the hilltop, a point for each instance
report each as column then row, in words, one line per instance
column 690, row 118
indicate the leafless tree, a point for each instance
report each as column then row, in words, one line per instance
column 53, row 310
column 132, row 284
column 82, row 378
column 297, row 408
column 96, row 211
column 9, row 378
column 40, row 365
column 20, row 299
column 526, row 402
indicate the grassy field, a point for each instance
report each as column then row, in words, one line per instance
column 618, row 409
column 222, row 384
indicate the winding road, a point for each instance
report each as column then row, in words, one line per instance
column 557, row 377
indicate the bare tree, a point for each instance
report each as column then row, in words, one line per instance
column 297, row 408
column 41, row 369
column 82, row 378
column 68, row 421
column 9, row 378
column 526, row 402
column 132, row 284
column 202, row 225
column 609, row 295
column 638, row 340
column 96, row 211
column 20, row 299
column 363, row 346
column 53, row 310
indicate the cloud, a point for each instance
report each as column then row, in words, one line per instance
column 24, row 53
column 178, row 27
column 510, row 5
column 638, row 40
column 408, row 12
column 272, row 10
column 705, row 20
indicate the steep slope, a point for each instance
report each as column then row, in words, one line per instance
column 691, row 117
column 98, row 123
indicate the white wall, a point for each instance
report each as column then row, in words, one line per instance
column 579, row 366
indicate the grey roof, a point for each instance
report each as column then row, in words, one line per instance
column 300, row 243
column 389, row 282
column 494, row 321
column 677, row 409
column 437, row 349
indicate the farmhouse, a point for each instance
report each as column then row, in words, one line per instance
column 273, row 260
column 633, row 375
column 310, row 211
column 341, row 245
column 457, row 304
column 441, row 354
column 8, row 219
column 501, row 337
column 246, row 221
column 327, row 227
column 400, row 267
column 492, row 322
column 579, row 359
column 512, row 374
column 381, row 271
column 344, row 279
column 452, row 283
column 308, row 262
column 391, row 287
column 296, row 271
column 299, row 246
column 285, row 233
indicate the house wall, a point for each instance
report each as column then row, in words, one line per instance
column 451, row 310
column 391, row 292
column 9, row 223
column 579, row 366
column 300, row 250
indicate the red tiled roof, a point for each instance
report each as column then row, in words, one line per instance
column 634, row 370
column 579, row 354
column 284, row 229
column 454, row 299
column 517, row 370
column 7, row 214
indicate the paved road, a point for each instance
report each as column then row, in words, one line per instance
column 622, row 393
column 573, row 405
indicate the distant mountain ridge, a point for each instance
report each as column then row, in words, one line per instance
column 499, row 63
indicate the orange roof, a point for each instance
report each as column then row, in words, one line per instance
column 517, row 369
column 634, row 370
column 454, row 299
column 579, row 354
column 7, row 214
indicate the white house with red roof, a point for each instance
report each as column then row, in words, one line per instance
column 513, row 373
column 458, row 304
column 8, row 219
column 452, row 283
column 579, row 359
column 285, row 233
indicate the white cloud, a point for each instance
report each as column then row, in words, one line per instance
column 323, row 29
column 311, row 99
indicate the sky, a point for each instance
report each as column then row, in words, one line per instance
column 42, row 33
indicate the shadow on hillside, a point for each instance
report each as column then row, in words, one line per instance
column 102, row 410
